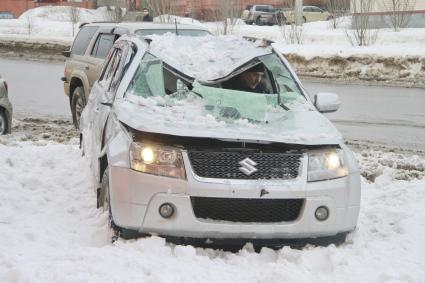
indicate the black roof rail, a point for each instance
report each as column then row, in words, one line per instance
column 98, row 22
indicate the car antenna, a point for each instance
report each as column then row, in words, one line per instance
column 175, row 22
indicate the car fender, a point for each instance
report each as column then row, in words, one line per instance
column 81, row 76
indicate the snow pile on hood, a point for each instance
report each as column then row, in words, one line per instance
column 189, row 118
column 205, row 58
column 52, row 232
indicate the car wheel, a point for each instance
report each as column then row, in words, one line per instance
column 304, row 20
column 104, row 202
column 258, row 22
column 3, row 123
column 78, row 102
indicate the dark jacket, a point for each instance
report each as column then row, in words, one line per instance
column 147, row 18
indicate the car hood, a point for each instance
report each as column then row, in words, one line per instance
column 305, row 126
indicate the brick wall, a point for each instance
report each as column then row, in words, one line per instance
column 16, row 7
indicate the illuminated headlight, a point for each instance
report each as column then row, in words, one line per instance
column 325, row 165
column 157, row 160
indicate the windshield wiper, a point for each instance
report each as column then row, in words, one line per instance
column 279, row 102
column 284, row 106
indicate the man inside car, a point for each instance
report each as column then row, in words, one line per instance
column 249, row 81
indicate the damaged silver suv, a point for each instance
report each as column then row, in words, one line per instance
column 214, row 140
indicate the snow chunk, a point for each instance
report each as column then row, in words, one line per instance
column 205, row 58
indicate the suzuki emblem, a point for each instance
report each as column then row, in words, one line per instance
column 248, row 166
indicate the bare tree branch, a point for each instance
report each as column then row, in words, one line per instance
column 361, row 32
column 226, row 15
column 338, row 9
column 74, row 17
column 164, row 9
column 400, row 12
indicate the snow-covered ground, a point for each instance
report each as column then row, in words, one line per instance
column 318, row 38
column 324, row 52
column 52, row 231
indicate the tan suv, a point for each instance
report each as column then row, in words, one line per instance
column 89, row 50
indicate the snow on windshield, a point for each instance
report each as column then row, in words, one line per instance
column 204, row 58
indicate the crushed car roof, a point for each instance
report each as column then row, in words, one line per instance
column 206, row 58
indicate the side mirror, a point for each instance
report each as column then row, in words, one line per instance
column 66, row 53
column 326, row 102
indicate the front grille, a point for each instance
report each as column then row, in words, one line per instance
column 225, row 165
column 247, row 210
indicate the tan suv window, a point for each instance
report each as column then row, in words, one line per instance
column 103, row 44
column 82, row 40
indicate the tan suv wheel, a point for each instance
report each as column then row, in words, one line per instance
column 3, row 123
column 78, row 102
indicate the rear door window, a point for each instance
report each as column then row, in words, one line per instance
column 103, row 44
column 82, row 40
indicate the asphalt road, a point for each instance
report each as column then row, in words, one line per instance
column 372, row 114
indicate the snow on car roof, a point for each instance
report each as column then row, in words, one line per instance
column 132, row 26
column 205, row 58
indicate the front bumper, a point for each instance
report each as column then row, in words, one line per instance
column 136, row 198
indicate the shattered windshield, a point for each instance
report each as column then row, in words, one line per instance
column 261, row 91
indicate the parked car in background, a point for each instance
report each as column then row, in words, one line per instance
column 5, row 109
column 310, row 14
column 90, row 47
column 216, row 145
column 260, row 15
column 6, row 15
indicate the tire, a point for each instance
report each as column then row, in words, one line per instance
column 258, row 22
column 4, row 123
column 304, row 20
column 104, row 202
column 78, row 102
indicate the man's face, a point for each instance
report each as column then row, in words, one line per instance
column 145, row 12
column 252, row 79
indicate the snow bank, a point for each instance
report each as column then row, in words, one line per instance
column 52, row 232
column 326, row 53
column 50, row 22
column 320, row 39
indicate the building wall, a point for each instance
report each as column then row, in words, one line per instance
column 378, row 7
column 380, row 17
column 16, row 7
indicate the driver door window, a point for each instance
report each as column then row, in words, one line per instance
column 107, row 79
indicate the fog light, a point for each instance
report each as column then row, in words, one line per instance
column 166, row 210
column 322, row 213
